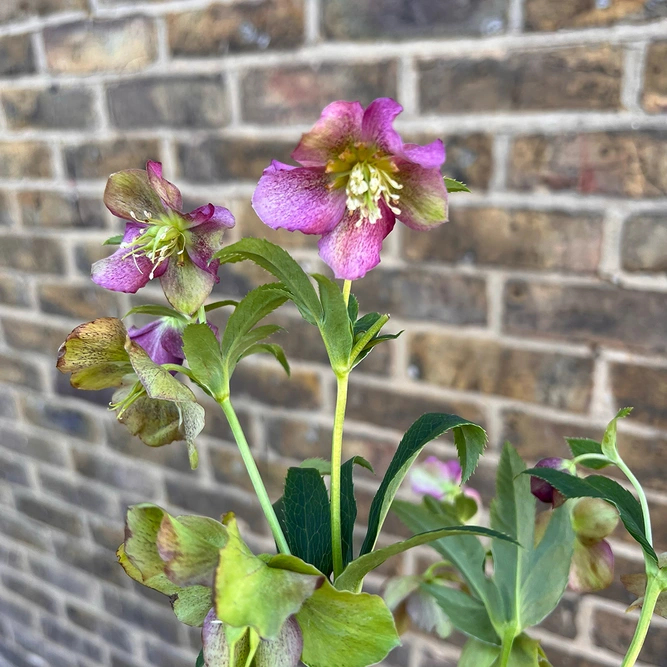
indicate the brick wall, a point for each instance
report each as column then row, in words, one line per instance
column 537, row 311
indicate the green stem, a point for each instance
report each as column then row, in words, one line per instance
column 255, row 476
column 622, row 466
column 336, row 458
column 653, row 589
column 347, row 286
column 508, row 642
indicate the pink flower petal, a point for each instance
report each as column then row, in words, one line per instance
column 206, row 238
column 168, row 192
column 351, row 250
column 152, row 338
column 121, row 272
column 431, row 156
column 423, row 201
column 217, row 214
column 298, row 199
column 339, row 126
column 377, row 126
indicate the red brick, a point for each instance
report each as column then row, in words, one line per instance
column 51, row 108
column 655, row 79
column 574, row 78
column 619, row 164
column 24, row 160
column 100, row 159
column 298, row 94
column 644, row 243
column 466, row 364
column 513, row 238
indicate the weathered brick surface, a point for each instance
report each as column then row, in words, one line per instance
column 536, row 310
column 551, row 240
column 221, row 29
column 578, row 78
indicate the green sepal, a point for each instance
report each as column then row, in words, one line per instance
column 251, row 592
column 114, row 240
column 608, row 444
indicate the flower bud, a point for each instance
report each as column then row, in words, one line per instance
column 593, row 519
column 541, row 489
column 592, row 567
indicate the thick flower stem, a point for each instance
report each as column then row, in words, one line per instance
column 336, row 457
column 255, row 476
column 653, row 589
column 347, row 286
column 508, row 642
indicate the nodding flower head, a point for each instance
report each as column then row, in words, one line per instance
column 356, row 180
column 160, row 241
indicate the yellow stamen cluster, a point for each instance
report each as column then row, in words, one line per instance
column 161, row 239
column 367, row 176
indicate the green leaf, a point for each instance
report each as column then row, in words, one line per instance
column 202, row 352
column 220, row 304
column 608, row 444
column 478, row 654
column 470, row 440
column 467, row 614
column 269, row 348
column 465, row 552
column 345, row 629
column 279, row 263
column 526, row 652
column 335, row 326
column 581, row 446
column 305, row 507
column 200, row 659
column 353, row 308
column 191, row 604
column 355, row 572
column 597, row 486
column 249, row 592
column 157, row 311
column 321, row 465
column 453, row 185
column 363, row 324
column 348, row 505
column 114, row 240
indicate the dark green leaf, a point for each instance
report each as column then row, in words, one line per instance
column 470, row 443
column 321, row 465
column 200, row 659
column 114, row 240
column 255, row 336
column 372, row 343
column 269, row 348
column 597, row 486
column 580, row 446
column 335, row 326
column 202, row 352
column 157, row 311
column 348, row 505
column 353, row 576
column 453, row 185
column 466, row 613
column 305, row 506
column 465, row 552
column 353, row 308
column 279, row 263
column 363, row 324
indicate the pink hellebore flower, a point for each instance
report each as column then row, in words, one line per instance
column 162, row 339
column 441, row 479
column 160, row 241
column 357, row 178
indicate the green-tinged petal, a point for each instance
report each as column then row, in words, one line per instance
column 142, row 524
column 185, row 285
column 155, row 422
column 94, row 353
column 345, row 629
column 423, row 202
column 189, row 547
column 128, row 195
column 219, row 642
column 249, row 592
column 285, row 651
column 191, row 604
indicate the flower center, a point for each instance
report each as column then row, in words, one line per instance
column 160, row 239
column 367, row 177
column 126, row 400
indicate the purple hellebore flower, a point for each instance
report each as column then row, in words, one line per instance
column 541, row 489
column 160, row 241
column 441, row 479
column 357, row 178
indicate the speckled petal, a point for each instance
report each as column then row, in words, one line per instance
column 122, row 272
column 298, row 199
column 351, row 250
column 339, row 126
column 209, row 225
column 168, row 192
column 378, row 125
column 185, row 285
column 129, row 192
column 152, row 338
column 423, row 202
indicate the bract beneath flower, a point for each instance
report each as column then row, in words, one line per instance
column 357, row 179
column 161, row 241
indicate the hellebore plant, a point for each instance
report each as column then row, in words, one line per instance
column 306, row 603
